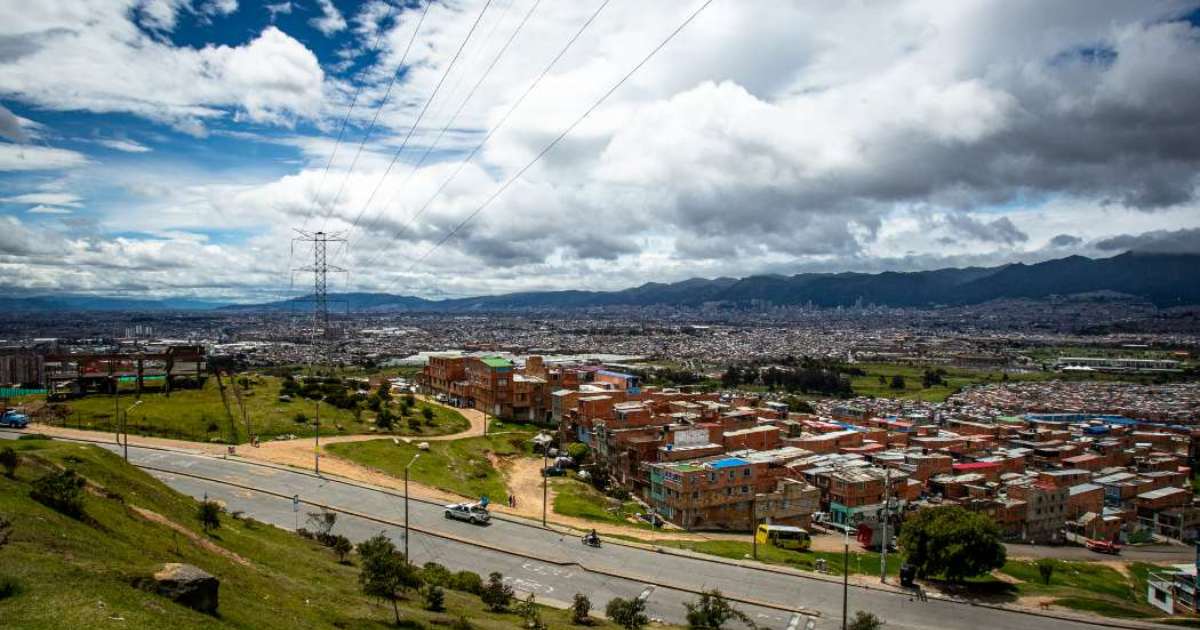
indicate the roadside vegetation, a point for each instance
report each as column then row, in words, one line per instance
column 88, row 569
column 581, row 500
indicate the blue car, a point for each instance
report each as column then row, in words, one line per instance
column 14, row 420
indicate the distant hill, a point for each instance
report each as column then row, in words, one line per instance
column 67, row 303
column 1163, row 279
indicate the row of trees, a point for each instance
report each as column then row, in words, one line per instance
column 808, row 379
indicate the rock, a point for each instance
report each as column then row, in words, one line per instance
column 188, row 585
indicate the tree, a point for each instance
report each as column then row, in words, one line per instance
column 409, row 399
column 530, row 614
column 627, row 613
column 321, row 523
column 209, row 514
column 61, row 491
column 496, row 595
column 711, row 612
column 933, row 377
column 385, row 391
column 427, row 414
column 385, row 572
column 951, row 541
column 384, row 420
column 578, row 451
column 342, row 547
column 1046, row 568
column 864, row 620
column 8, row 459
column 897, row 382
column 581, row 608
column 435, row 598
column 467, row 582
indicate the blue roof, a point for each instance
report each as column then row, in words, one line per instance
column 729, row 462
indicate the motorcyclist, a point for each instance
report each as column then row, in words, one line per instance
column 592, row 538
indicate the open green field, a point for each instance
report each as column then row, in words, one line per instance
column 955, row 379
column 79, row 573
column 458, row 466
column 861, row 562
column 1088, row 586
column 200, row 414
column 576, row 498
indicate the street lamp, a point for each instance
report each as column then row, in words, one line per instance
column 125, row 428
column 410, row 463
column 845, row 573
column 545, row 478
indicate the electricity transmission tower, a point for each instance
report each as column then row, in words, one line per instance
column 322, row 334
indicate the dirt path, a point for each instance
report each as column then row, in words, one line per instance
column 199, row 540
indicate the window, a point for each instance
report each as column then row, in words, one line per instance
column 746, row 472
column 745, row 489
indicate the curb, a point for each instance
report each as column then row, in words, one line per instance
column 495, row 548
column 1094, row 620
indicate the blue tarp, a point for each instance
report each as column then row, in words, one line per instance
column 728, row 462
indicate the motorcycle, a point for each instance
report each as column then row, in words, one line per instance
column 592, row 541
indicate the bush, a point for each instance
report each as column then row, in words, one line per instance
column 209, row 515
column 1046, row 568
column 627, row 613
column 467, row 582
column 61, row 491
column 435, row 598
column 496, row 595
column 578, row 451
column 342, row 547
column 436, row 574
column 461, row 623
column 300, row 418
column 711, row 612
column 414, row 424
column 8, row 459
column 427, row 414
column 581, row 608
column 9, row 586
column 619, row 493
column 863, row 620
column 530, row 615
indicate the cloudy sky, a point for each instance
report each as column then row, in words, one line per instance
column 171, row 147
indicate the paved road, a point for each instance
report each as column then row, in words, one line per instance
column 562, row 566
column 1149, row 553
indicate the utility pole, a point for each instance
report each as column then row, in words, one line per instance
column 545, row 479
column 754, row 524
column 321, row 332
column 125, row 428
column 845, row 576
column 887, row 502
column 410, row 463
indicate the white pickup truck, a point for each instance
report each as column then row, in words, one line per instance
column 473, row 513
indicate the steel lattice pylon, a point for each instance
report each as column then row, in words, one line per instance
column 321, row 332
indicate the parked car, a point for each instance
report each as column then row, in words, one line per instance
column 14, row 420
column 473, row 513
column 1102, row 546
column 553, row 471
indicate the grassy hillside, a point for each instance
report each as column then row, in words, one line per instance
column 200, row 415
column 78, row 573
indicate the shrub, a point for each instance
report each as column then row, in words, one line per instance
column 322, row 523
column 8, row 459
column 209, row 515
column 9, row 586
column 300, row 418
column 581, row 608
column 409, row 399
column 342, row 547
column 711, row 612
column 578, row 451
column 436, row 574
column 467, row 582
column 61, row 491
column 1046, row 568
column 496, row 595
column 427, row 414
column 414, row 424
column 461, row 623
column 435, row 598
column 530, row 615
column 863, row 620
column 627, row 613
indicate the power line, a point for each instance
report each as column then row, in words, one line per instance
column 417, row 122
column 562, row 135
column 374, row 119
column 345, row 120
column 470, row 94
column 503, row 119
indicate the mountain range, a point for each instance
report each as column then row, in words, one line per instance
column 1163, row 279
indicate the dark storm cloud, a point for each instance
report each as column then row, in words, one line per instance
column 1065, row 240
column 1186, row 241
column 1001, row 230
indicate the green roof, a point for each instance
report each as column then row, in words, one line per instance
column 496, row 362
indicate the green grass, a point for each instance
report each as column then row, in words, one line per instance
column 445, row 420
column 200, row 415
column 866, row 562
column 458, row 466
column 1106, row 608
column 578, row 499
column 955, row 379
column 79, row 573
column 1088, row 587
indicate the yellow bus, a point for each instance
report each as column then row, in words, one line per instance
column 784, row 537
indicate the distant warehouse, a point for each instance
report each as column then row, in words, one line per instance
column 1109, row 364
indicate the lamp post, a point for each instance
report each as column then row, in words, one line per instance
column 317, row 440
column 410, row 463
column 545, row 479
column 754, row 524
column 887, row 504
column 845, row 574
column 125, row 428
